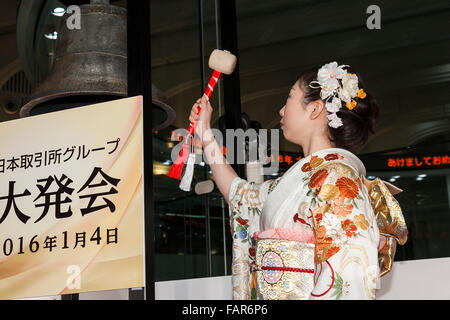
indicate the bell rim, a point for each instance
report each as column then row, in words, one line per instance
column 171, row 115
column 26, row 109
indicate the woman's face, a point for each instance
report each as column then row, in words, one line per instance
column 295, row 122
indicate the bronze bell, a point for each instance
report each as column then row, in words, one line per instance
column 90, row 66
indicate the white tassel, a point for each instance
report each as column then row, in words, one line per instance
column 186, row 181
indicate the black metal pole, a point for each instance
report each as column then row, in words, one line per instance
column 139, row 83
column 231, row 83
column 202, row 88
column 202, row 49
column 208, row 236
column 70, row 296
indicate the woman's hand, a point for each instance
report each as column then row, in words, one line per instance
column 204, row 118
column 223, row 172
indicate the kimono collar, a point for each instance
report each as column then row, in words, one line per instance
column 349, row 158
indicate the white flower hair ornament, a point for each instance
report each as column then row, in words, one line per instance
column 337, row 85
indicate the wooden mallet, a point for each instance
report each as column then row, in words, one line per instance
column 221, row 61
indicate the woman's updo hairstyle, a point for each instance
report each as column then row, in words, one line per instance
column 357, row 123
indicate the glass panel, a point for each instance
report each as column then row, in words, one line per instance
column 180, row 31
column 181, row 236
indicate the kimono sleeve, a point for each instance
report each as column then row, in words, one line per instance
column 346, row 256
column 246, row 200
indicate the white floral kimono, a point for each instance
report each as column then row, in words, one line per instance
column 327, row 193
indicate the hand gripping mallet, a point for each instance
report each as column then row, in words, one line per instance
column 221, row 61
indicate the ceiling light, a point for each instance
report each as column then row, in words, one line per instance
column 58, row 11
column 51, row 36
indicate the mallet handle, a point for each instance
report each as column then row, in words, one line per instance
column 209, row 89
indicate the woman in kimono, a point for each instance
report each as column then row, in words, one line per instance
column 320, row 231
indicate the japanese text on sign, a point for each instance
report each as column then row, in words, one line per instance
column 46, row 199
column 50, row 157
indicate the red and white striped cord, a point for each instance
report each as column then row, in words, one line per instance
column 259, row 268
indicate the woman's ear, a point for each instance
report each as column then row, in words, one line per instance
column 315, row 108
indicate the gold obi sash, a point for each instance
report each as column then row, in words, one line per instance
column 389, row 217
column 284, row 269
